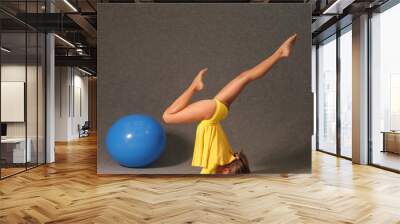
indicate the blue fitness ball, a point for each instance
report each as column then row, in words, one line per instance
column 136, row 140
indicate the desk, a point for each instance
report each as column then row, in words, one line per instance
column 391, row 141
column 18, row 150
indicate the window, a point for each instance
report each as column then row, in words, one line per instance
column 346, row 92
column 335, row 74
column 385, row 89
column 327, row 95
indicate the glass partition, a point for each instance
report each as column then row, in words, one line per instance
column 41, row 91
column 14, row 153
column 22, row 88
column 31, row 100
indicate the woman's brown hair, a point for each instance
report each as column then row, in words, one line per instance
column 238, row 166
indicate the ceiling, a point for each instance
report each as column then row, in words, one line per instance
column 76, row 22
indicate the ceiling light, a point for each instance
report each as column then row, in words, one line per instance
column 65, row 41
column 70, row 5
column 79, row 51
column 5, row 50
column 84, row 71
column 338, row 6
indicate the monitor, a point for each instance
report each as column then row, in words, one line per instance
column 3, row 129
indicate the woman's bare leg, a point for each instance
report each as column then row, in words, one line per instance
column 180, row 111
column 183, row 100
column 229, row 93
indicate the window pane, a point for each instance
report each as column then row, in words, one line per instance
column 346, row 94
column 14, row 153
column 31, row 98
column 385, row 88
column 314, row 87
column 41, row 98
column 327, row 96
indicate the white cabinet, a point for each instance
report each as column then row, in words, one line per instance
column 19, row 155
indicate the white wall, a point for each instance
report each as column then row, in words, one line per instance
column 80, row 110
column 9, row 73
column 33, row 127
column 17, row 72
column 62, row 81
column 71, row 102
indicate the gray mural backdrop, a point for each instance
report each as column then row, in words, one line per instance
column 149, row 53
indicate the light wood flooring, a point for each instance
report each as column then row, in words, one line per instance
column 387, row 159
column 69, row 191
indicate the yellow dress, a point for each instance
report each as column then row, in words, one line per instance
column 211, row 147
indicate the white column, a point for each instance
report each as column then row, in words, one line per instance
column 50, row 110
column 50, row 93
column 360, row 90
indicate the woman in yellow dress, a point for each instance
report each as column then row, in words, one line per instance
column 212, row 149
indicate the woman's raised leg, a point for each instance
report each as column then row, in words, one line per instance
column 180, row 111
column 229, row 93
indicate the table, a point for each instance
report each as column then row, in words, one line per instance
column 391, row 141
column 19, row 155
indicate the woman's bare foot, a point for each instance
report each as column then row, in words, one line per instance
column 285, row 49
column 197, row 83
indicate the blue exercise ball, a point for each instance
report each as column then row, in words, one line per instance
column 135, row 140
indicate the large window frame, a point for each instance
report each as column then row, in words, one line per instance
column 337, row 38
column 346, row 76
column 380, row 9
column 325, row 81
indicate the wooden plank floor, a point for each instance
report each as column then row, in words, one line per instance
column 69, row 191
